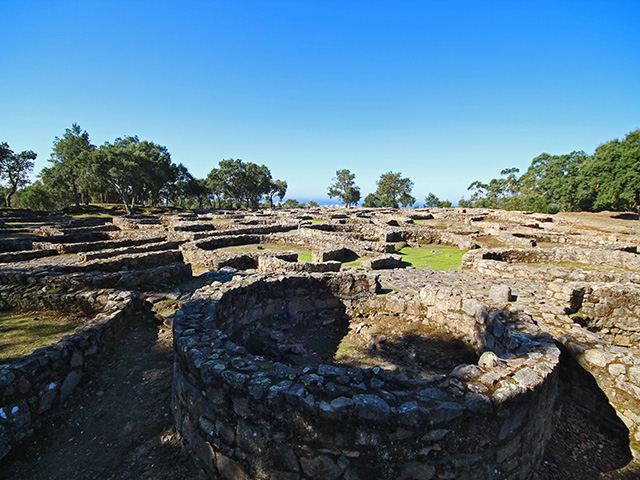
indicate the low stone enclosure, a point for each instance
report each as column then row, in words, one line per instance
column 548, row 304
column 247, row 411
column 44, row 379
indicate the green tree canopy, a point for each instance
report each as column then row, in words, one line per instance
column 278, row 189
column 241, row 182
column 15, row 169
column 69, row 175
column 496, row 193
column 394, row 190
column 36, row 197
column 432, row 201
column 136, row 170
column 555, row 183
column 371, row 201
column 344, row 188
column 614, row 173
column 215, row 184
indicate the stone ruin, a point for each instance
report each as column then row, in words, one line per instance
column 247, row 410
column 548, row 304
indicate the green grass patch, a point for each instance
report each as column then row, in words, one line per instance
column 304, row 254
column 353, row 263
column 434, row 257
column 23, row 332
column 434, row 223
column 88, row 216
column 317, row 222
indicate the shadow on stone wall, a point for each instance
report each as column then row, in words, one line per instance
column 579, row 387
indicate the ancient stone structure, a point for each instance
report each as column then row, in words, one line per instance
column 252, row 403
column 42, row 380
column 247, row 410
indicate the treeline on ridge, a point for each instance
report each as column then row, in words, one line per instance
column 607, row 180
column 134, row 172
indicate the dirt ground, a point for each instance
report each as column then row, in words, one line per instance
column 117, row 425
column 408, row 348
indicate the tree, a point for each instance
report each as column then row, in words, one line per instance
column 241, row 181
column 372, row 201
column 257, row 183
column 497, row 191
column 15, row 169
column 183, row 189
column 117, row 164
column 556, row 183
column 465, row 203
column 158, row 171
column 432, row 201
column 36, row 197
column 136, row 170
column 614, row 172
column 344, row 188
column 215, row 183
column 291, row 203
column 70, row 173
column 394, row 190
column 278, row 189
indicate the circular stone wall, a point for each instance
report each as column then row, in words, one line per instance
column 246, row 410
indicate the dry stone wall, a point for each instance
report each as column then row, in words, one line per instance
column 143, row 278
column 31, row 386
column 246, row 416
column 595, row 256
column 249, row 415
column 95, row 246
column 268, row 264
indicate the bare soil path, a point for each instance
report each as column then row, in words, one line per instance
column 118, row 422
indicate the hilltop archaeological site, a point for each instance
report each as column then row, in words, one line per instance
column 320, row 343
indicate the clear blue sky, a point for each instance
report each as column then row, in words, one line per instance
column 446, row 92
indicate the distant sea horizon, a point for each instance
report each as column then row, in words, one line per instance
column 321, row 201
column 335, row 201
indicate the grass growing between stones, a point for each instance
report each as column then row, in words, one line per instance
column 92, row 216
column 434, row 257
column 353, row 263
column 408, row 347
column 304, row 254
column 23, row 332
column 586, row 267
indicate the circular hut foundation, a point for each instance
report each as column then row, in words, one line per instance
column 261, row 390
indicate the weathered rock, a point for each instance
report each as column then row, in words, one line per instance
column 382, row 262
column 500, row 293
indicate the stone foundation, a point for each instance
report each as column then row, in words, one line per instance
column 247, row 413
column 33, row 385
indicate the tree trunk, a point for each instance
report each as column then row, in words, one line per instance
column 638, row 203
